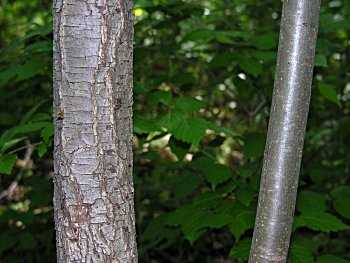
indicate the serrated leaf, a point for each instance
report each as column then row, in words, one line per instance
column 159, row 96
column 220, row 129
column 245, row 195
column 250, row 66
column 171, row 119
column 190, row 130
column 311, row 202
column 341, row 192
column 328, row 92
column 341, row 202
column 188, row 104
column 331, row 258
column 143, row 126
column 301, row 251
column 246, row 170
column 320, row 222
column 241, row 223
column 7, row 162
column 254, row 144
column 342, row 206
column 216, row 173
column 194, row 219
column 179, row 148
column 321, row 61
column 241, row 250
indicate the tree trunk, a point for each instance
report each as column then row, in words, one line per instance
column 93, row 195
column 290, row 106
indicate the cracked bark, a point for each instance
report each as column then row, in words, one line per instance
column 93, row 188
column 285, row 137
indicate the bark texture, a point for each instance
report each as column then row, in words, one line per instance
column 283, row 152
column 93, row 194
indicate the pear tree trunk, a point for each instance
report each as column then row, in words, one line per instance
column 93, row 187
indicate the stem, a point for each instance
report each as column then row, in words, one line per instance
column 285, row 138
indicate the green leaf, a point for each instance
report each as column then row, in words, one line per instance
column 265, row 42
column 47, row 133
column 184, row 78
column 224, row 59
column 245, row 195
column 341, row 192
column 27, row 241
column 265, row 56
column 311, row 202
column 246, row 170
column 250, row 66
column 171, row 119
column 341, row 202
column 7, row 240
column 188, row 104
column 8, row 74
column 321, row 61
column 204, row 35
column 30, row 127
column 7, row 162
column 222, row 38
column 328, row 92
column 254, row 144
column 31, row 68
column 42, row 149
column 190, row 130
column 140, row 87
column 301, row 250
column 216, row 173
column 331, row 258
column 159, row 96
column 220, row 129
column 241, row 223
column 30, row 113
column 342, row 206
column 320, row 222
column 241, row 250
column 194, row 218
column 179, row 148
column 143, row 126
column 9, row 144
column 182, row 185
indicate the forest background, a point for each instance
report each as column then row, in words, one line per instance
column 203, row 79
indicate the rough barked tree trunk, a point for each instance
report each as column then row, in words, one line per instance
column 93, row 196
column 290, row 106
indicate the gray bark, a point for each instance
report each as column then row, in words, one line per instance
column 289, row 110
column 93, row 188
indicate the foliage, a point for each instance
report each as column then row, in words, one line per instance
column 203, row 78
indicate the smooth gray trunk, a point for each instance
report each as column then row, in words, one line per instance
column 284, row 147
column 93, row 187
